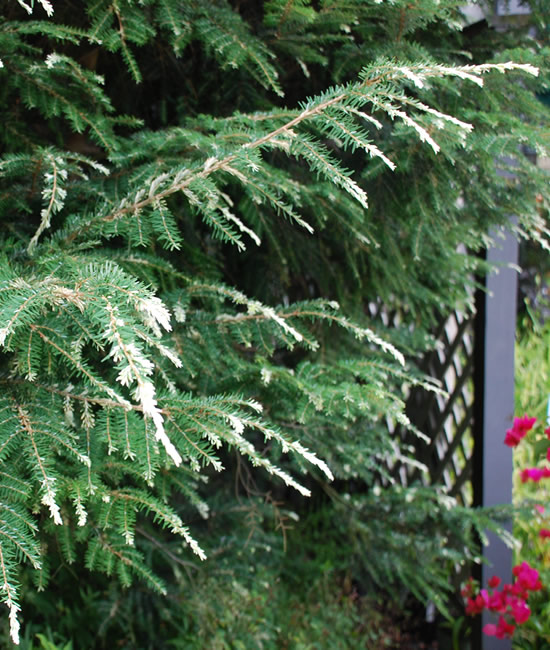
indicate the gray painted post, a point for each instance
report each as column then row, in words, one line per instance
column 495, row 413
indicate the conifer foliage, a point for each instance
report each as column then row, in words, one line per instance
column 198, row 201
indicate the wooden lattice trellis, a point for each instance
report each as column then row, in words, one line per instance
column 445, row 417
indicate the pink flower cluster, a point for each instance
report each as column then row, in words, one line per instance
column 534, row 474
column 510, row 602
column 514, row 436
column 520, row 427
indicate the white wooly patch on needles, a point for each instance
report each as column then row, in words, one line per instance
column 49, row 500
column 145, row 394
column 154, row 314
column 137, row 370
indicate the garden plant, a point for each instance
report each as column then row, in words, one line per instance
column 509, row 601
column 530, row 455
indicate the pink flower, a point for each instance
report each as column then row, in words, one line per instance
column 539, row 509
column 494, row 582
column 519, row 428
column 518, row 590
column 502, row 630
column 490, row 629
column 527, row 577
column 524, row 423
column 544, row 533
column 533, row 474
column 498, row 602
column 547, row 432
column 477, row 605
column 512, row 438
column 472, row 607
column 520, row 611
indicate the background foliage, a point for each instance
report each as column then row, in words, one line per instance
column 199, row 201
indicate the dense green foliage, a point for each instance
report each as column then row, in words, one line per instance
column 199, row 201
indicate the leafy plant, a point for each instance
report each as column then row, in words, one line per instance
column 199, row 201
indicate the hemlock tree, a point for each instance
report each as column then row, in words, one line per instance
column 198, row 200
